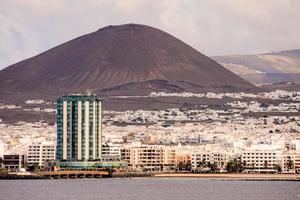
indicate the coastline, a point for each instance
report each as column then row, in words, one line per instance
column 249, row 177
column 223, row 176
column 24, row 177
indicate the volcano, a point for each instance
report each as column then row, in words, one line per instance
column 126, row 59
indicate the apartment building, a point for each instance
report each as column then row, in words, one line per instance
column 13, row 163
column 40, row 153
column 262, row 160
column 149, row 157
column 182, row 158
column 201, row 158
column 291, row 158
column 111, row 151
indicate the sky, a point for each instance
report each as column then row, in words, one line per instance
column 214, row 27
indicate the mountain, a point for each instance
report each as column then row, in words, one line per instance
column 126, row 59
column 265, row 68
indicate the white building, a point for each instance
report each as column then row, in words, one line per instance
column 40, row 153
column 264, row 156
column 1, row 149
column 111, row 151
column 292, row 154
column 289, row 162
column 262, row 160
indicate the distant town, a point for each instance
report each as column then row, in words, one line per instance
column 240, row 137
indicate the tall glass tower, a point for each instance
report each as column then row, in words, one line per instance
column 79, row 128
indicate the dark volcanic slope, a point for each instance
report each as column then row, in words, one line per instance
column 119, row 58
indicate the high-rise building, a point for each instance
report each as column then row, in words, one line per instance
column 79, row 128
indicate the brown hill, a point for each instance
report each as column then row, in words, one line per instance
column 268, row 68
column 118, row 60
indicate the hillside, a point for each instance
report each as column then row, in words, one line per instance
column 265, row 68
column 127, row 59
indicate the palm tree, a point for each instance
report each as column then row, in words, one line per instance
column 277, row 167
column 266, row 164
column 201, row 164
column 235, row 166
column 188, row 166
column 212, row 166
column 180, row 166
column 245, row 165
column 290, row 165
column 252, row 166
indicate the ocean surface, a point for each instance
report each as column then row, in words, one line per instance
column 147, row 188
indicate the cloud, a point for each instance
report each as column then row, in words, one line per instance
column 16, row 42
column 214, row 27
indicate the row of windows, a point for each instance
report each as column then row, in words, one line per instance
column 259, row 157
column 38, row 150
column 259, row 161
column 32, row 157
column 259, row 153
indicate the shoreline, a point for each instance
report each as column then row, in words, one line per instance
column 224, row 177
column 246, row 177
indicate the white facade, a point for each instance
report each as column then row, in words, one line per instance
column 40, row 153
column 289, row 162
column 1, row 149
column 110, row 150
column 262, row 160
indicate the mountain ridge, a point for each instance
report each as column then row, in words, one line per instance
column 265, row 68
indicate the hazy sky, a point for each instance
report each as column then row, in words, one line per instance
column 214, row 27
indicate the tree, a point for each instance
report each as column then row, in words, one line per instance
column 201, row 164
column 180, row 166
column 188, row 165
column 212, row 166
column 244, row 165
column 230, row 167
column 266, row 164
column 290, row 164
column 276, row 121
column 2, row 169
column 277, row 167
column 252, row 166
column 235, row 166
column 33, row 167
column 110, row 171
column 161, row 167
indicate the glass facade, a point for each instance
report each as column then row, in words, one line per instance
column 79, row 129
